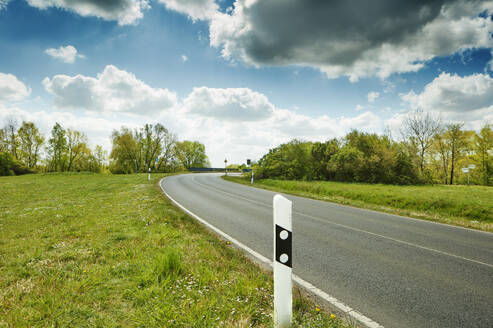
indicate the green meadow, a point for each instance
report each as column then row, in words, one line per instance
column 95, row 250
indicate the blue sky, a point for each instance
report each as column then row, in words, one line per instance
column 231, row 76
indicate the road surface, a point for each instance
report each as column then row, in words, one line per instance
column 398, row 271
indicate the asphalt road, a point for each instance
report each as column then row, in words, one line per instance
column 398, row 271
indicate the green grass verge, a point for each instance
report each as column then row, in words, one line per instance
column 466, row 206
column 89, row 250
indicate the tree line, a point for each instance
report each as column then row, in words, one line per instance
column 154, row 147
column 24, row 149
column 428, row 152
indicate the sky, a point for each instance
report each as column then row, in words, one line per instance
column 243, row 76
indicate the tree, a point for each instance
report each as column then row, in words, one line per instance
column 11, row 137
column 100, row 156
column 456, row 141
column 321, row 155
column 483, row 144
column 345, row 164
column 125, row 152
column 168, row 144
column 76, row 145
column 31, row 142
column 292, row 160
column 191, row 154
column 155, row 139
column 442, row 148
column 57, row 149
column 3, row 141
column 420, row 128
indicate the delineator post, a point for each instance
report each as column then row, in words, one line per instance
column 283, row 284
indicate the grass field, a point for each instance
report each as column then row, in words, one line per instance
column 88, row 250
column 467, row 206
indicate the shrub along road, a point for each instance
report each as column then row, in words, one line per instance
column 400, row 272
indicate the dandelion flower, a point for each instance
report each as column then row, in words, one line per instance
column 332, row 316
column 317, row 309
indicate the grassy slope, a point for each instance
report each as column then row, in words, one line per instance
column 99, row 250
column 467, row 206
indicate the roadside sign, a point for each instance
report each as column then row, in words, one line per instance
column 248, row 161
column 472, row 167
column 465, row 169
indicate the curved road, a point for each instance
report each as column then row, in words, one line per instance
column 398, row 271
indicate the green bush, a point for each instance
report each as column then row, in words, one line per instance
column 9, row 166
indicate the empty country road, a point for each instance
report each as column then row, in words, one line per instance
column 398, row 271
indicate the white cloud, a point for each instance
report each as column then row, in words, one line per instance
column 372, row 96
column 184, row 58
column 67, row 54
column 113, row 90
column 359, row 107
column 466, row 99
column 11, row 89
column 124, row 11
column 452, row 93
column 237, row 123
column 241, row 104
column 344, row 40
column 195, row 9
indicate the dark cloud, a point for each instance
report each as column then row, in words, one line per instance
column 337, row 36
column 282, row 28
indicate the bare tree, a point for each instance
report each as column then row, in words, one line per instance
column 419, row 128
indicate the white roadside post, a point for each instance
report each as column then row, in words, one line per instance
column 283, row 284
column 149, row 175
column 253, row 173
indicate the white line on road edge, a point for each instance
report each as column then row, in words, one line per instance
column 367, row 322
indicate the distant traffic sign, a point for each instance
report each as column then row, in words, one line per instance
column 465, row 169
column 472, row 167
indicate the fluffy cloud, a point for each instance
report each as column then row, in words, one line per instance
column 468, row 99
column 345, row 38
column 195, row 9
column 239, row 104
column 372, row 96
column 11, row 89
column 124, row 11
column 113, row 90
column 452, row 93
column 67, row 54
